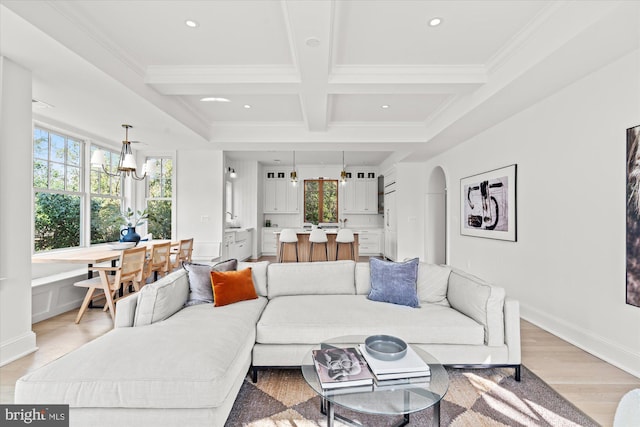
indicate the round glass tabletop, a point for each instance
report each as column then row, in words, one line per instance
column 387, row 399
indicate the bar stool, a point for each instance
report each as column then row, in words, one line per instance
column 345, row 236
column 318, row 236
column 288, row 235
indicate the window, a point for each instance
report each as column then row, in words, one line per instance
column 320, row 200
column 105, row 200
column 159, row 198
column 58, row 197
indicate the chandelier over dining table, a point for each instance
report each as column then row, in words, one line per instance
column 127, row 165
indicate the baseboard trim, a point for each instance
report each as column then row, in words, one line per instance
column 612, row 353
column 18, row 347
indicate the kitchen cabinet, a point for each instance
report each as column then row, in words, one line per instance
column 370, row 241
column 238, row 244
column 390, row 224
column 269, row 241
column 360, row 194
column 280, row 196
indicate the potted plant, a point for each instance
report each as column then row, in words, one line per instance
column 132, row 219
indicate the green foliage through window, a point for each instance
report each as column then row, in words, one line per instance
column 105, row 220
column 320, row 200
column 159, row 218
column 57, row 221
column 56, row 161
column 159, row 196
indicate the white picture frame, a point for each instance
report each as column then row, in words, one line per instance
column 488, row 204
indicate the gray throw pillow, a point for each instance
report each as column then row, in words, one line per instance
column 201, row 291
column 394, row 282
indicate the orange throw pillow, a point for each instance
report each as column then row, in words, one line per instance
column 232, row 286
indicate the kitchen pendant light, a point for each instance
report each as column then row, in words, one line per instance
column 343, row 174
column 294, row 174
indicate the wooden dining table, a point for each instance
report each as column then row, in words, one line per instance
column 92, row 255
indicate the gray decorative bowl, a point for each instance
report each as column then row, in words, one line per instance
column 385, row 347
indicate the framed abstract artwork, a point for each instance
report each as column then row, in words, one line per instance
column 488, row 204
column 633, row 216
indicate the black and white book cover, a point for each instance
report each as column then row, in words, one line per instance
column 341, row 367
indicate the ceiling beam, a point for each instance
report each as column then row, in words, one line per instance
column 202, row 80
column 310, row 29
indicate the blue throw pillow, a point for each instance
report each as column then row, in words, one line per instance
column 394, row 282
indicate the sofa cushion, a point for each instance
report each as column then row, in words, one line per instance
column 259, row 272
column 311, row 278
column 161, row 299
column 200, row 279
column 232, row 286
column 481, row 301
column 432, row 283
column 178, row 363
column 363, row 278
column 304, row 320
column 394, row 282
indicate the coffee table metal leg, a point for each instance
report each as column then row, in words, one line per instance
column 436, row 414
column 330, row 414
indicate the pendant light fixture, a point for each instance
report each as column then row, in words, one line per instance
column 126, row 163
column 343, row 174
column 294, row 174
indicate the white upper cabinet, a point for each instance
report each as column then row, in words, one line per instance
column 280, row 196
column 360, row 194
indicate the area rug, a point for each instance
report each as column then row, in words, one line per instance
column 482, row 397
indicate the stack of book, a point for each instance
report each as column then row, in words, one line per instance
column 410, row 369
column 342, row 369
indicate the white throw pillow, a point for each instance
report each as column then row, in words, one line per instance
column 432, row 283
column 162, row 299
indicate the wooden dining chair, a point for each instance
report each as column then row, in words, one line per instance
column 130, row 270
column 158, row 261
column 183, row 254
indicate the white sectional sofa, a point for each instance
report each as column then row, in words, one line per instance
column 165, row 365
column 462, row 320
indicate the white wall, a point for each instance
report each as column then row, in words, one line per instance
column 568, row 266
column 245, row 198
column 410, row 190
column 16, row 336
column 199, row 196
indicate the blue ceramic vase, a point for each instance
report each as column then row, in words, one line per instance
column 130, row 236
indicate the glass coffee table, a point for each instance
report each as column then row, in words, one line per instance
column 396, row 400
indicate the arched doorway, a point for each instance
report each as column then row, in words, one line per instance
column 436, row 218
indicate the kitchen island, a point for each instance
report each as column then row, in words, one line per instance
column 304, row 247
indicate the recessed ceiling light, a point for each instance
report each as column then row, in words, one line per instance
column 434, row 22
column 312, row 42
column 384, row 107
column 191, row 23
column 247, row 106
column 214, row 99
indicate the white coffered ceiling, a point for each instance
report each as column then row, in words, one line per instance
column 319, row 75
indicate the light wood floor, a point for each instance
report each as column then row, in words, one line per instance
column 589, row 383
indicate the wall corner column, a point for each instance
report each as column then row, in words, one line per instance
column 16, row 336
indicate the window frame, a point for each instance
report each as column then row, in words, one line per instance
column 321, row 182
column 80, row 192
column 91, row 194
column 147, row 182
column 84, row 182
